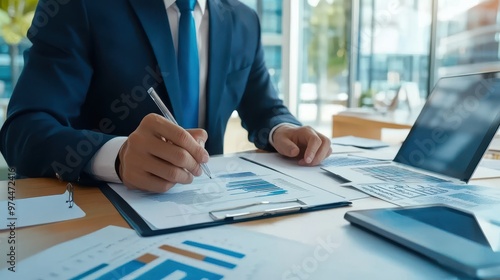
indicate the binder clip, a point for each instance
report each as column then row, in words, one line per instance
column 70, row 189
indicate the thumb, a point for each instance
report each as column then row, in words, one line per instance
column 286, row 147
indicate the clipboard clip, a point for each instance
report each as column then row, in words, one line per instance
column 70, row 189
column 231, row 213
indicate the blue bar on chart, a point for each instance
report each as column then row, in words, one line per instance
column 129, row 267
column 257, row 186
column 219, row 262
column 196, row 256
column 171, row 267
column 90, row 271
column 214, row 249
column 237, row 175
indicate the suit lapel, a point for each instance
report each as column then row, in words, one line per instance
column 219, row 57
column 154, row 20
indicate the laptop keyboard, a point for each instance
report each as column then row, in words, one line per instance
column 390, row 173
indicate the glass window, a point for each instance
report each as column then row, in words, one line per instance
column 11, row 64
column 468, row 37
column 270, row 14
column 16, row 17
column 393, row 53
column 323, row 60
column 273, row 62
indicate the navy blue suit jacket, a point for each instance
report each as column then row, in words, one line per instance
column 91, row 63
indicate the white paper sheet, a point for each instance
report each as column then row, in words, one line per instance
column 236, row 182
column 482, row 172
column 464, row 196
column 490, row 163
column 340, row 149
column 118, row 253
column 359, row 142
column 388, row 153
column 348, row 160
column 495, row 144
column 312, row 175
column 37, row 210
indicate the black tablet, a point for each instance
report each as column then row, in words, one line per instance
column 454, row 238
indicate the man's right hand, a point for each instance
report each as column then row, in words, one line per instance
column 160, row 154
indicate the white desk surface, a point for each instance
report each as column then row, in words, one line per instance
column 352, row 252
column 344, row 251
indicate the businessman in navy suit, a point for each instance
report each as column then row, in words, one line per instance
column 81, row 112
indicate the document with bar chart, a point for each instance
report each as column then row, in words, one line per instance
column 119, row 253
column 239, row 190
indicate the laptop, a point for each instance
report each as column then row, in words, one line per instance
column 448, row 139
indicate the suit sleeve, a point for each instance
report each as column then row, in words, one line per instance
column 260, row 108
column 39, row 137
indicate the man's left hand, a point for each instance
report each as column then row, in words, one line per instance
column 304, row 143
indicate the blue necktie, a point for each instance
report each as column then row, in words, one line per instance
column 188, row 64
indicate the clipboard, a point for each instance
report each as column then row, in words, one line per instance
column 219, row 216
column 240, row 191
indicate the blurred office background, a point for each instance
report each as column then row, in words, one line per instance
column 325, row 56
column 337, row 54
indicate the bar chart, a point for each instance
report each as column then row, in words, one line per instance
column 236, row 183
column 230, row 186
column 171, row 267
column 211, row 254
column 170, row 264
column 127, row 268
column 260, row 187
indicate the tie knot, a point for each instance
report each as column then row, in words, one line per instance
column 186, row 5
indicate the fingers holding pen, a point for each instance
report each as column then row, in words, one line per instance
column 159, row 154
column 166, row 113
column 180, row 148
column 158, row 179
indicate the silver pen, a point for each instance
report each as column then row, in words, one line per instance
column 166, row 113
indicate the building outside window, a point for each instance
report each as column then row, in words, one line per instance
column 271, row 19
column 468, row 37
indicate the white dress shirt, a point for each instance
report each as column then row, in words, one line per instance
column 102, row 165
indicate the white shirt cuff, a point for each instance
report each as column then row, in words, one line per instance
column 276, row 127
column 102, row 164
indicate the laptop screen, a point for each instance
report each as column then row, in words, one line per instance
column 455, row 126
